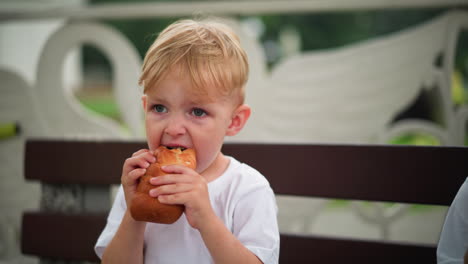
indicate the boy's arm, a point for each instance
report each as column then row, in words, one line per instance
column 224, row 247
column 189, row 188
column 128, row 242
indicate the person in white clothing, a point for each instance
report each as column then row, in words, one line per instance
column 453, row 242
column 194, row 77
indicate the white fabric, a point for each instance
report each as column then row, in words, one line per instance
column 453, row 241
column 241, row 198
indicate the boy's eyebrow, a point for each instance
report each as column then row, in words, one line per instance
column 199, row 100
column 155, row 98
column 193, row 100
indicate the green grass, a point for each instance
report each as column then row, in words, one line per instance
column 415, row 139
column 102, row 105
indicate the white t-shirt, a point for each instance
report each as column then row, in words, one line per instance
column 453, row 241
column 241, row 198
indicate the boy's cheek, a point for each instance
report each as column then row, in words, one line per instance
column 153, row 140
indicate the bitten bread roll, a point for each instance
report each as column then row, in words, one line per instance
column 146, row 208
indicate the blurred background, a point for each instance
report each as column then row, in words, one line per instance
column 364, row 74
column 281, row 36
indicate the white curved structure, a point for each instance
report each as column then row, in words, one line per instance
column 63, row 115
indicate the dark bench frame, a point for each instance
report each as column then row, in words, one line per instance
column 389, row 173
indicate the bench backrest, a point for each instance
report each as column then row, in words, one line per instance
column 405, row 174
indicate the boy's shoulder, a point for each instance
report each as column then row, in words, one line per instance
column 240, row 184
column 242, row 174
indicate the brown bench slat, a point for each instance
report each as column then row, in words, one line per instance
column 409, row 174
column 71, row 162
column 314, row 249
column 427, row 175
column 61, row 236
column 81, row 231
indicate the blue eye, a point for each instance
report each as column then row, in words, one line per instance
column 198, row 112
column 159, row 108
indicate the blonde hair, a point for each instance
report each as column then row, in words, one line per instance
column 208, row 51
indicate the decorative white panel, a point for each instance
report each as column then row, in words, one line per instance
column 63, row 115
column 351, row 94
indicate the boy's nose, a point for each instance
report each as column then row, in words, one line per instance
column 175, row 127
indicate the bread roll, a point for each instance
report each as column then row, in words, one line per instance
column 146, row 208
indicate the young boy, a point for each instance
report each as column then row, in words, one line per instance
column 194, row 76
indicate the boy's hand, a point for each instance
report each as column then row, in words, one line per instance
column 133, row 168
column 183, row 185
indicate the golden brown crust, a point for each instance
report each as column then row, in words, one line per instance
column 146, row 208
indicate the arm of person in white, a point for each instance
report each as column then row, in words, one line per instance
column 453, row 241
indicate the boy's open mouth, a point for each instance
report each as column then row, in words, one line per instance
column 176, row 147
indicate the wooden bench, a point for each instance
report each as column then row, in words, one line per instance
column 405, row 174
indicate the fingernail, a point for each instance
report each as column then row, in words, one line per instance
column 153, row 193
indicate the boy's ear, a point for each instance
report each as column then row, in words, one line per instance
column 239, row 119
column 144, row 101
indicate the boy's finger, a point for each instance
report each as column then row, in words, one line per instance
column 177, row 169
column 132, row 176
column 172, row 179
column 137, row 162
column 178, row 198
column 139, row 152
column 148, row 156
column 170, row 189
column 136, row 173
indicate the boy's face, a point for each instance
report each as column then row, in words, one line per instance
column 176, row 116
